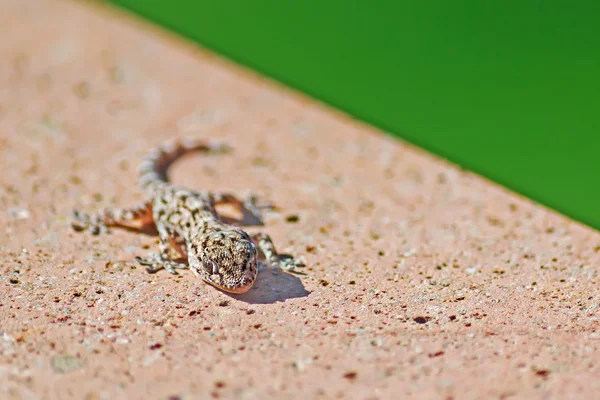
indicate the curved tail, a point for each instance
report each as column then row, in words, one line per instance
column 153, row 168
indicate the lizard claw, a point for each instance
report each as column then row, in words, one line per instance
column 256, row 208
column 287, row 263
column 152, row 263
column 82, row 222
column 155, row 263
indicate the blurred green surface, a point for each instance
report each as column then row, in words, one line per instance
column 509, row 89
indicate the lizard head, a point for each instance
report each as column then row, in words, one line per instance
column 226, row 259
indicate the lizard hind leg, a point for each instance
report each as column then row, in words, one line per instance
column 249, row 204
column 136, row 218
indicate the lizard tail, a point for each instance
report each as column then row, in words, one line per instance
column 153, row 168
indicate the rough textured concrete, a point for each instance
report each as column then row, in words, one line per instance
column 423, row 280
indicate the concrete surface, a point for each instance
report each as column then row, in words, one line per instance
column 423, row 280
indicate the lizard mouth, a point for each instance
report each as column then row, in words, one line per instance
column 242, row 286
column 236, row 282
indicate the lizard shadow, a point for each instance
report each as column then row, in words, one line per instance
column 243, row 218
column 273, row 285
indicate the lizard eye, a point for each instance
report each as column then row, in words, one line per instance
column 209, row 266
column 251, row 266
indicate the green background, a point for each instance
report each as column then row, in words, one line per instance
column 509, row 89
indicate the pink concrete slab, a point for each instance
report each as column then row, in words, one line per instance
column 423, row 280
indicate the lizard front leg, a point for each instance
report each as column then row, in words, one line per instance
column 155, row 262
column 138, row 218
column 264, row 243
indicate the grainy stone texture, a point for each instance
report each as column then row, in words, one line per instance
column 423, row 280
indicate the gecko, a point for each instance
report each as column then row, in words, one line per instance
column 192, row 234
